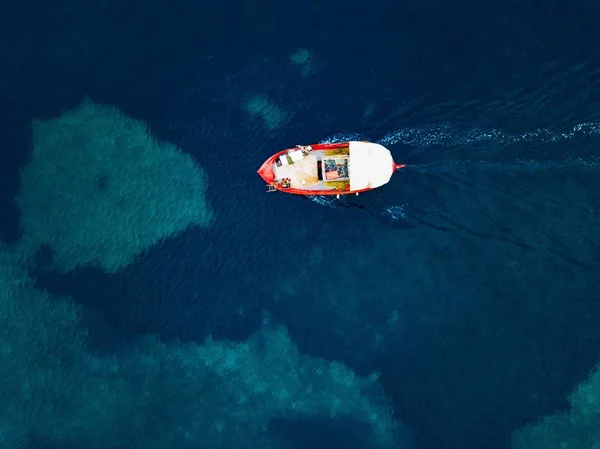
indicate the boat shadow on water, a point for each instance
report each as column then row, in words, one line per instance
column 403, row 214
column 396, row 216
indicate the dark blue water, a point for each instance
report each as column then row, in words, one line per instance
column 469, row 282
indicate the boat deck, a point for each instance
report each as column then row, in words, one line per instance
column 303, row 173
column 317, row 170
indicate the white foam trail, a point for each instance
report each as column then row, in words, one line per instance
column 520, row 165
column 532, row 165
column 342, row 137
column 394, row 213
column 326, row 201
column 446, row 135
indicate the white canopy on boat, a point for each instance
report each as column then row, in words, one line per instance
column 371, row 165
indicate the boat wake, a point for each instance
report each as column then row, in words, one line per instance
column 343, row 137
column 453, row 144
column 454, row 151
column 447, row 135
column 393, row 214
column 327, row 201
column 520, row 165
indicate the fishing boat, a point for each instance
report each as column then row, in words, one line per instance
column 340, row 168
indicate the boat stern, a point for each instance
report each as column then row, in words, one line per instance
column 371, row 165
